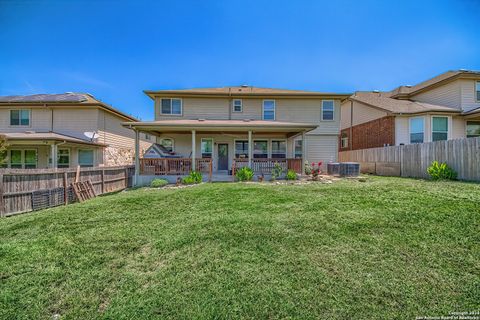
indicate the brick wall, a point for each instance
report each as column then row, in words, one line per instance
column 372, row 134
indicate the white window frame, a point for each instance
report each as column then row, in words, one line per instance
column 202, row 151
column 333, row 110
column 69, row 157
column 22, row 157
column 233, row 105
column 171, row 107
column 410, row 129
column 93, row 158
column 168, row 138
column 274, row 110
column 271, row 148
column 20, row 119
column 448, row 126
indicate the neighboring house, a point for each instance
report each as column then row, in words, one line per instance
column 244, row 124
column 442, row 108
column 65, row 130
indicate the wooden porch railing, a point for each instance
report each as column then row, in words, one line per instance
column 266, row 165
column 174, row 166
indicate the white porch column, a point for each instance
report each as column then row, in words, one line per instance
column 250, row 148
column 194, row 148
column 137, row 157
column 303, row 152
column 53, row 155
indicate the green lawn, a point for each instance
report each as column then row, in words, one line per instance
column 382, row 249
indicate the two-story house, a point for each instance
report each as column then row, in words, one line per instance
column 237, row 126
column 65, row 130
column 442, row 108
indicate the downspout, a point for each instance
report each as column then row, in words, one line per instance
column 230, row 103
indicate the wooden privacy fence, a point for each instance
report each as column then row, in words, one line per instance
column 463, row 155
column 23, row 190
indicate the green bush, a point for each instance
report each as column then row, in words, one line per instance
column 193, row 178
column 244, row 174
column 158, row 183
column 277, row 171
column 291, row 175
column 441, row 171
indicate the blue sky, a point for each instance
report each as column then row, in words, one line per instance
column 116, row 49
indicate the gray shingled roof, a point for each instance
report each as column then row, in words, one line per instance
column 61, row 97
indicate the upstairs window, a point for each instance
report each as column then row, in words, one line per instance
column 473, row 129
column 417, row 130
column 268, row 109
column 327, row 110
column 172, row 106
column 207, row 147
column 298, row 149
column 237, row 105
column 20, row 117
column 241, row 149
column 477, row 91
column 439, row 128
column 260, row 149
column 279, row 149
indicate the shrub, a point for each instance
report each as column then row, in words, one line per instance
column 308, row 168
column 244, row 174
column 277, row 171
column 158, row 183
column 3, row 151
column 291, row 175
column 193, row 178
column 441, row 171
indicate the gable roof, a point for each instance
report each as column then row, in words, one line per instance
column 238, row 91
column 407, row 91
column 68, row 98
column 383, row 101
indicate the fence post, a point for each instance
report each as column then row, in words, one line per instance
column 103, row 181
column 2, row 202
column 126, row 177
column 65, row 188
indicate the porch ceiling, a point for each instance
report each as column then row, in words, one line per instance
column 230, row 126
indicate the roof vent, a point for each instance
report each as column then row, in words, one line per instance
column 201, row 119
column 376, row 91
column 408, row 86
column 463, row 70
column 69, row 92
column 244, row 86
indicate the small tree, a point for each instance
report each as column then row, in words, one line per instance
column 3, row 150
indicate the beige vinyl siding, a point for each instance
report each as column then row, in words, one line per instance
column 40, row 119
column 322, row 148
column 252, row 109
column 468, row 93
column 289, row 110
column 458, row 128
column 401, row 130
column 197, row 108
column 361, row 113
column 75, row 121
column 446, row 95
column 115, row 135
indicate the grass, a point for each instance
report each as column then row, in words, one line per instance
column 382, row 249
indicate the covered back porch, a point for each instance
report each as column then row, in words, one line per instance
column 220, row 147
